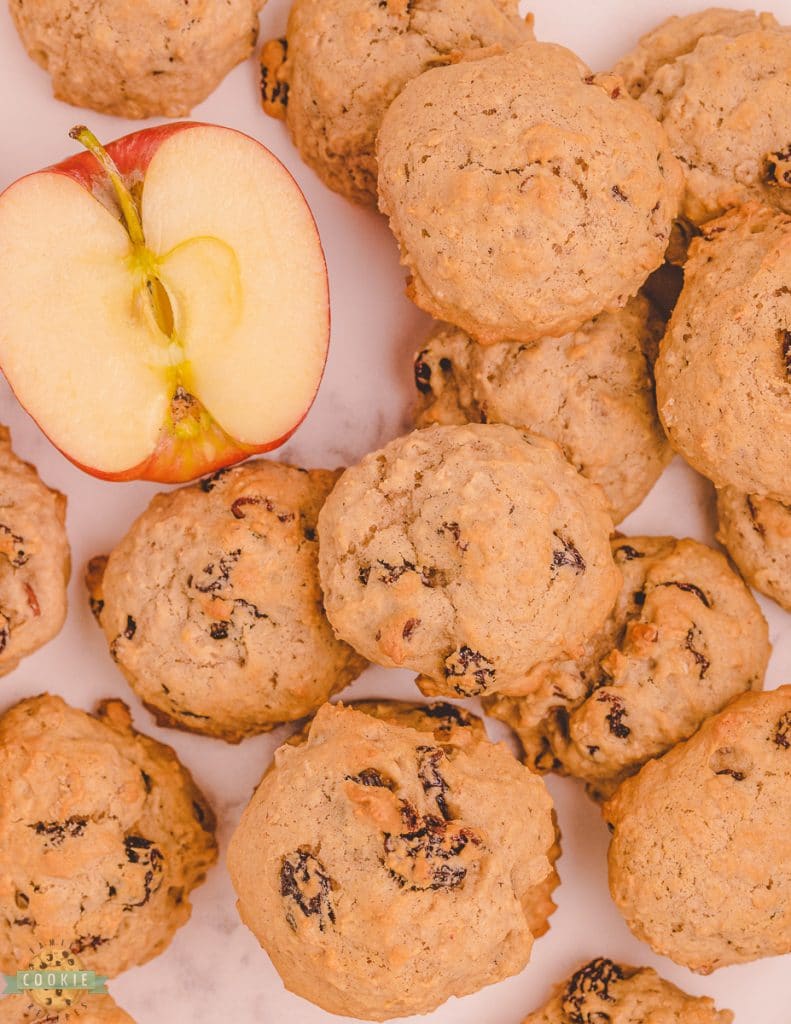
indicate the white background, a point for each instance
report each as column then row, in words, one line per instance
column 214, row 970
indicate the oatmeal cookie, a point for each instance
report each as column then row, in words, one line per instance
column 757, row 533
column 103, row 834
column 604, row 992
column 34, row 559
column 363, row 849
column 719, row 82
column 684, row 638
column 137, row 58
column 467, row 553
column 506, row 178
column 343, row 62
column 723, row 375
column 592, row 392
column 212, row 607
column 700, row 857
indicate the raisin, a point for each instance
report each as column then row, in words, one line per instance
column 615, row 715
column 274, row 91
column 238, row 506
column 782, row 734
column 594, row 979
column 618, row 194
column 567, row 555
column 639, row 598
column 393, row 573
column 142, row 851
column 629, row 553
column 689, row 588
column 21, row 900
column 371, row 777
column 409, row 628
column 777, row 167
column 133, row 845
column 219, row 630
column 455, row 531
column 758, row 526
column 448, row 712
column 131, row 628
column 147, row 783
column 83, row 942
column 732, row 762
column 304, row 880
column 55, row 832
column 96, row 605
column 785, row 341
column 700, row 658
column 5, row 631
column 432, row 779
column 217, row 574
column 466, row 662
column 12, row 547
column 422, row 859
column 422, row 375
column 363, row 573
column 208, row 483
column 309, row 533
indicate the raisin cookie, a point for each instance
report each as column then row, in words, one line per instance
column 700, row 857
column 604, row 992
column 137, row 59
column 88, row 1009
column 592, row 392
column 212, row 606
column 34, row 559
column 468, row 553
column 364, row 848
column 103, row 834
column 719, row 82
column 685, row 637
column 343, row 62
column 506, row 178
column 723, row 375
column 757, row 533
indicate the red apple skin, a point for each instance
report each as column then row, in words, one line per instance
column 174, row 460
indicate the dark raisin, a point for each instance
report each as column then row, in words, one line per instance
column 309, row 533
column 55, row 832
column 422, row 375
column 700, row 659
column 758, row 526
column 219, row 630
column 730, row 761
column 450, row 712
column 619, row 195
column 431, row 778
column 363, row 573
column 628, row 553
column 237, row 508
column 689, row 588
column 785, row 341
column 393, row 573
column 143, row 852
column 639, row 598
column 304, row 880
column 409, row 628
column 147, row 784
column 466, row 663
column 597, row 979
column 568, row 555
column 133, row 845
column 216, row 575
column 83, row 942
column 131, row 628
column 208, row 483
column 422, row 859
column 371, row 777
column 12, row 547
column 5, row 631
column 777, row 168
column 615, row 715
column 455, row 531
column 274, row 90
column 782, row 734
column 96, row 606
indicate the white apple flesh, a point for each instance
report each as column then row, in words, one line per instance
column 164, row 308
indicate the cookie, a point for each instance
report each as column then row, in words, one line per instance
column 137, row 60
column 719, row 82
column 103, row 834
column 34, row 559
column 604, row 992
column 343, row 62
column 364, row 848
column 723, row 375
column 212, row 607
column 88, row 1009
column 506, row 178
column 700, row 857
column 592, row 392
column 467, row 553
column 757, row 533
column 684, row 638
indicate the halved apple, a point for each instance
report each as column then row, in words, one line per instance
column 164, row 308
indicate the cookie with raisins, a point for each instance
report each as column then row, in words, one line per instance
column 103, row 835
column 364, row 848
column 212, row 608
column 757, row 533
column 700, row 856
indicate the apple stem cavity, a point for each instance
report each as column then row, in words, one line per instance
column 157, row 295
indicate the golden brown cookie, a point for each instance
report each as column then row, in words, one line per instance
column 343, row 62
column 684, row 638
column 103, row 834
column 212, row 607
column 757, row 533
column 592, row 392
column 133, row 58
column 719, row 82
column 364, row 848
column 506, row 178
column 700, row 857
column 723, row 375
column 604, row 992
column 34, row 559
column 467, row 553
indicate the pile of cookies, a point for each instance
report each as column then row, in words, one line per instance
column 607, row 257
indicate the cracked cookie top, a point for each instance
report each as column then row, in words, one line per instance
column 591, row 391
column 506, row 178
column 719, row 83
column 34, row 559
column 103, row 834
column 700, row 857
column 212, row 606
column 467, row 553
column 723, row 375
column 604, row 992
column 137, row 60
column 757, row 533
column 343, row 62
column 685, row 637
column 372, row 840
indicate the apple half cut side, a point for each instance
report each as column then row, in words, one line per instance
column 164, row 306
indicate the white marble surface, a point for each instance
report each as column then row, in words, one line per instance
column 214, row 970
